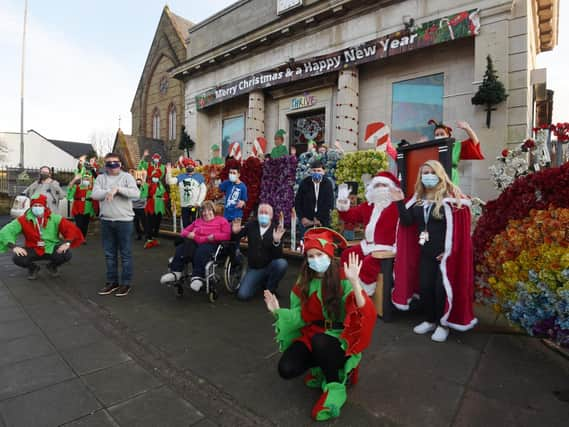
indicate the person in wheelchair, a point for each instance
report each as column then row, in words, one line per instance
column 266, row 264
column 200, row 241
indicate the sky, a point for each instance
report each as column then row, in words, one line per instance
column 84, row 59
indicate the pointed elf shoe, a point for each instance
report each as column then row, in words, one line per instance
column 330, row 403
column 314, row 378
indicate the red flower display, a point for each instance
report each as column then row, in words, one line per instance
column 251, row 175
column 505, row 152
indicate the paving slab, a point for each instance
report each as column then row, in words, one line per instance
column 77, row 336
column 8, row 314
column 159, row 407
column 17, row 329
column 50, row 406
column 7, row 301
column 95, row 356
column 29, row 375
column 98, row 419
column 24, row 348
column 120, row 382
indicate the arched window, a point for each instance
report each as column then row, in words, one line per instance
column 156, row 124
column 172, row 122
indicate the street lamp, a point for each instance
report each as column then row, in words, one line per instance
column 22, row 87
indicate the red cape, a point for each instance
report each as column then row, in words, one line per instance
column 457, row 267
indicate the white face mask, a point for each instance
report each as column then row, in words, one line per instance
column 440, row 136
column 85, row 183
column 378, row 195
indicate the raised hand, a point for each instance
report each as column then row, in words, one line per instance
column 236, row 226
column 461, row 124
column 279, row 232
column 145, row 153
column 344, row 192
column 271, row 301
column 352, row 269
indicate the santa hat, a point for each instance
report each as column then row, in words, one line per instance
column 156, row 156
column 259, row 146
column 324, row 239
column 39, row 199
column 156, row 173
column 386, row 178
column 440, row 125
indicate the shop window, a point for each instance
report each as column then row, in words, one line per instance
column 156, row 124
column 415, row 102
column 309, row 126
column 233, row 130
column 172, row 123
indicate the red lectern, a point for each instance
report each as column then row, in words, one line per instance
column 410, row 157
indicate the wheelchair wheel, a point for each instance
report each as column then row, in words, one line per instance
column 233, row 273
column 212, row 295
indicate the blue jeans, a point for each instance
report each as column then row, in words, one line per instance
column 117, row 238
column 254, row 278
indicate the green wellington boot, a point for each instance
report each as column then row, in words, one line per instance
column 330, row 403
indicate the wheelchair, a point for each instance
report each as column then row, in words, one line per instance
column 226, row 265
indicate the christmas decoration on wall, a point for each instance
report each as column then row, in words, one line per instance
column 491, row 92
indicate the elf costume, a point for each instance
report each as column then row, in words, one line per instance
column 216, row 160
column 279, row 150
column 461, row 150
column 41, row 237
column 83, row 208
column 156, row 197
column 152, row 167
column 380, row 219
column 329, row 346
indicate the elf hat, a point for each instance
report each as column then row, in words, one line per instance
column 280, row 133
column 188, row 163
column 39, row 199
column 214, row 147
column 441, row 125
column 325, row 240
column 386, row 178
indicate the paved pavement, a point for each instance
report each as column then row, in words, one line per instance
column 70, row 356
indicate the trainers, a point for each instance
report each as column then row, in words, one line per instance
column 169, row 278
column 53, row 270
column 122, row 291
column 424, row 328
column 440, row 335
column 196, row 284
column 108, row 289
column 33, row 272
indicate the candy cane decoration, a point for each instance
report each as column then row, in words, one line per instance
column 235, row 151
column 377, row 134
column 259, row 146
column 447, row 22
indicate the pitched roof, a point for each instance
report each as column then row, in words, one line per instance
column 132, row 147
column 76, row 149
column 182, row 25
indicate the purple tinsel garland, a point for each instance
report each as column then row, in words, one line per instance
column 277, row 185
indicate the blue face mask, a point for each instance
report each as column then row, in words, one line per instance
column 155, row 180
column 317, row 177
column 429, row 180
column 38, row 210
column 264, row 219
column 320, row 263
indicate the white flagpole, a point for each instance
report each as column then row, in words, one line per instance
column 22, row 86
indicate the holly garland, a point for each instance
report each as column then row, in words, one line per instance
column 277, row 185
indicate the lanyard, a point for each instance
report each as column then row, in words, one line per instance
column 38, row 226
column 427, row 214
column 316, row 193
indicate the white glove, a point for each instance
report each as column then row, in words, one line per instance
column 343, row 202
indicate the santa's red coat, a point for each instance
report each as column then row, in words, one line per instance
column 457, row 266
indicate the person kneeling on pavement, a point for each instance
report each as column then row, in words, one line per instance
column 201, row 238
column 41, row 230
column 266, row 265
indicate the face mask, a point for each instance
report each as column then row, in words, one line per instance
column 317, row 177
column 190, row 170
column 138, row 184
column 429, row 180
column 378, row 195
column 38, row 210
column 264, row 219
column 232, row 177
column 440, row 136
column 155, row 161
column 155, row 180
column 85, row 183
column 319, row 264
column 44, row 175
column 112, row 165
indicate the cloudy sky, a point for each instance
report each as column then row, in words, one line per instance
column 84, row 58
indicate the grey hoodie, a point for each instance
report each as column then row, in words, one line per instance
column 120, row 208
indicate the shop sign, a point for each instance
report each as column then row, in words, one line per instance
column 460, row 25
column 286, row 5
column 303, row 101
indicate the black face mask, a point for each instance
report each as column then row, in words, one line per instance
column 44, row 176
column 113, row 165
column 138, row 184
column 190, row 170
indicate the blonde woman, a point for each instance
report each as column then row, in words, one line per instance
column 434, row 253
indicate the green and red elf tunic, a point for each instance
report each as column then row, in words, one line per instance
column 80, row 195
column 152, row 167
column 46, row 229
column 156, row 197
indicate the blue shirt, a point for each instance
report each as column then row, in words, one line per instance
column 233, row 194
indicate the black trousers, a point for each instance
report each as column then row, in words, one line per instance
column 139, row 221
column 433, row 295
column 54, row 258
column 327, row 354
column 82, row 222
column 152, row 225
column 189, row 215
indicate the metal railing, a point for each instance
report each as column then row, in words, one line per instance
column 14, row 180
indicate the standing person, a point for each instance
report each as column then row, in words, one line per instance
column 41, row 230
column 314, row 200
column 156, row 197
column 216, row 158
column 434, row 253
column 192, row 190
column 47, row 186
column 235, row 195
column 79, row 193
column 279, row 149
column 155, row 164
column 115, row 190
column 265, row 262
column 138, row 206
column 329, row 323
column 469, row 149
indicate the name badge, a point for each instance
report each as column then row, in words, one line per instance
column 423, row 237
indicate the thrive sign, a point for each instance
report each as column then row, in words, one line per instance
column 302, row 101
column 464, row 24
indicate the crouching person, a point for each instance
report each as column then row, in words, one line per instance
column 266, row 265
column 41, row 230
column 201, row 238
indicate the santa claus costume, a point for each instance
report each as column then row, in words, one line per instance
column 380, row 216
column 156, row 198
column 434, row 262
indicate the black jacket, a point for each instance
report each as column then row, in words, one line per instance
column 261, row 251
column 305, row 200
